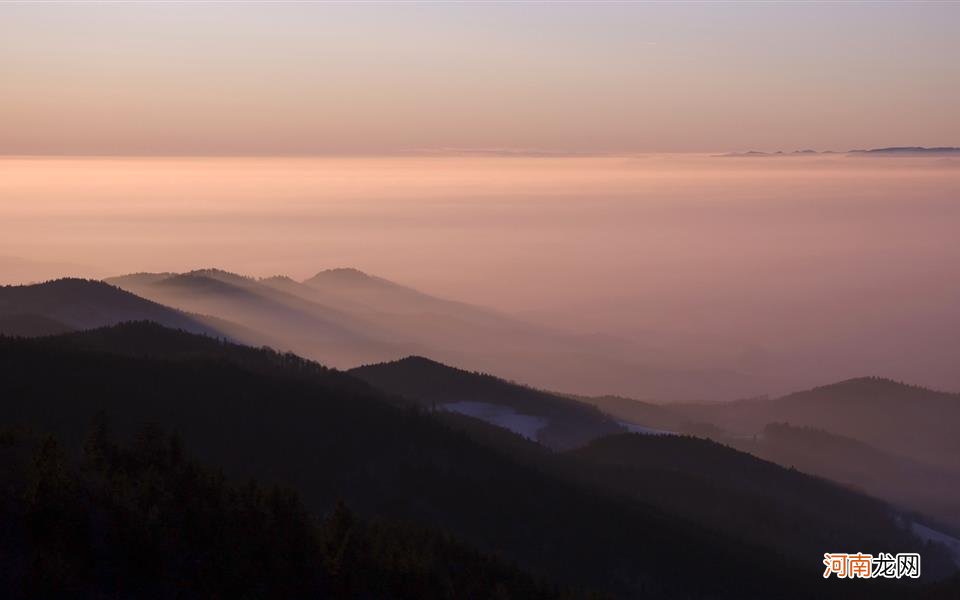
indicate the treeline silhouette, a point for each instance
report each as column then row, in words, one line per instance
column 282, row 420
column 146, row 520
column 570, row 424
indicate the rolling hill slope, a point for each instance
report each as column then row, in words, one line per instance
column 67, row 304
column 285, row 420
column 908, row 420
column 554, row 421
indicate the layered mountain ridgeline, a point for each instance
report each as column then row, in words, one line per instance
column 552, row 420
column 911, row 421
column 72, row 304
column 674, row 473
column 747, row 497
column 934, row 491
column 909, row 151
column 273, row 317
column 758, row 154
column 649, row 417
column 284, row 420
column 890, row 151
column 891, row 440
column 145, row 520
column 344, row 317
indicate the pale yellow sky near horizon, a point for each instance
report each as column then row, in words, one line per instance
column 314, row 78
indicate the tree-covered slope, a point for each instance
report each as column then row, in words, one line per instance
column 145, row 520
column 66, row 304
column 564, row 423
column 284, row 420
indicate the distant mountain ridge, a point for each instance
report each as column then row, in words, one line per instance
column 909, row 420
column 273, row 314
column 891, row 151
column 891, row 439
column 910, row 150
column 932, row 490
column 345, row 317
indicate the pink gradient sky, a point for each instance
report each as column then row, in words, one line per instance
column 299, row 78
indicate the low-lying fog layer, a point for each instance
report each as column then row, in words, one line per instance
column 793, row 270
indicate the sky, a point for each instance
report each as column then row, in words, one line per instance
column 206, row 78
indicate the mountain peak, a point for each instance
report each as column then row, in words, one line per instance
column 71, row 285
column 278, row 279
column 415, row 359
column 873, row 385
column 350, row 277
column 219, row 274
column 343, row 274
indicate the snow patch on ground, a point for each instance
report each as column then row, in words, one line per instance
column 932, row 535
column 502, row 416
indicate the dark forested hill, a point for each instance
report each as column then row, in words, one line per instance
column 31, row 325
column 748, row 497
column 144, row 520
column 65, row 304
column 282, row 423
column 284, row 420
column 555, row 421
column 888, row 439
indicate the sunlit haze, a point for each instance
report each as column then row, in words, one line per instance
column 814, row 268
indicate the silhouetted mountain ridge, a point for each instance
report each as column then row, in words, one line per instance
column 564, row 423
column 909, row 420
column 84, row 304
column 889, row 151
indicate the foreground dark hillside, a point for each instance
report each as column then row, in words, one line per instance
column 749, row 498
column 145, row 520
column 281, row 419
column 702, row 481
